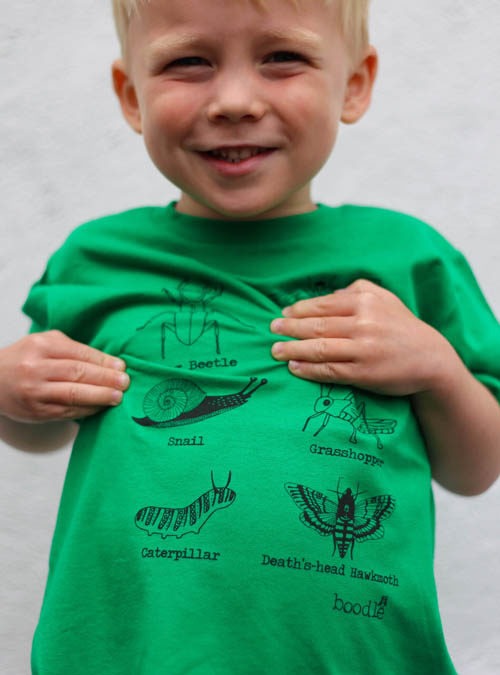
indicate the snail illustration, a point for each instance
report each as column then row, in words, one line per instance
column 175, row 402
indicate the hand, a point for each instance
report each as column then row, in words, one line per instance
column 364, row 336
column 48, row 377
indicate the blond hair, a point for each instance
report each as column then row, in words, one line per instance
column 354, row 17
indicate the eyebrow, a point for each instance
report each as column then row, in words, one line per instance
column 179, row 41
column 306, row 37
column 157, row 48
column 175, row 40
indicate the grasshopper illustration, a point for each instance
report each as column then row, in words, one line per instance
column 347, row 408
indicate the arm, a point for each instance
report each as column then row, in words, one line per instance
column 47, row 377
column 365, row 336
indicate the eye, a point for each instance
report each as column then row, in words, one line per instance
column 284, row 57
column 187, row 61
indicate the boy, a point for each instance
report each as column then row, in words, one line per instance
column 239, row 105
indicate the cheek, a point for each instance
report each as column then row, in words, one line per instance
column 167, row 111
column 316, row 120
column 314, row 106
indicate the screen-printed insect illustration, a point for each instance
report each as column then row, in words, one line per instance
column 176, row 402
column 347, row 519
column 328, row 407
column 311, row 288
column 176, row 522
column 192, row 316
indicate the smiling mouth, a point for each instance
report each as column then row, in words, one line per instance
column 236, row 155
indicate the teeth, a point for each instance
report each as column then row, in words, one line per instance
column 235, row 155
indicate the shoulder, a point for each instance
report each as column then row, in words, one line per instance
column 131, row 223
column 406, row 239
column 103, row 239
column 393, row 226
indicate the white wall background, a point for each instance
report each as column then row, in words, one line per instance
column 429, row 146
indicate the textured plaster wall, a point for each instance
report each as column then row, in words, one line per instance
column 429, row 146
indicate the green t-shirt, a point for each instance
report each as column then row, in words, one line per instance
column 227, row 517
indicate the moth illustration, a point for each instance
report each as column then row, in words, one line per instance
column 176, row 522
column 176, row 402
column 347, row 519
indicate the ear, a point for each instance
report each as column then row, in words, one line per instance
column 127, row 96
column 360, row 87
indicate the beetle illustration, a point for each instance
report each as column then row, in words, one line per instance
column 176, row 402
column 345, row 520
column 348, row 409
column 176, row 522
column 191, row 319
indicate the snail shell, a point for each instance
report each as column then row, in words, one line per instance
column 170, row 398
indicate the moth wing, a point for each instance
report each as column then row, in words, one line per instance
column 318, row 512
column 368, row 525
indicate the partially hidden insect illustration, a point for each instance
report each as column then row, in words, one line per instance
column 311, row 288
column 347, row 408
column 347, row 519
column 192, row 317
column 176, row 522
column 176, row 402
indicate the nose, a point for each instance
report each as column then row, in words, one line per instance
column 236, row 97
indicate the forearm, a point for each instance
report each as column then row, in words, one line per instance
column 36, row 438
column 460, row 421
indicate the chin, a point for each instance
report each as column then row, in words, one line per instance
column 254, row 210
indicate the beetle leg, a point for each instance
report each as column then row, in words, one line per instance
column 215, row 325
column 164, row 327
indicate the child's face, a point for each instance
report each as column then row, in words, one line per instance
column 239, row 105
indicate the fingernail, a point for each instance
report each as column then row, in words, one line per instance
column 277, row 349
column 277, row 326
column 294, row 366
column 124, row 380
column 118, row 364
column 116, row 397
column 286, row 311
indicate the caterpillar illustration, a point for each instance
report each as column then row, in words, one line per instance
column 176, row 402
column 176, row 522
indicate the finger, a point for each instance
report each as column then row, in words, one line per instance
column 314, row 351
column 62, row 370
column 57, row 413
column 314, row 327
column 60, row 346
column 343, row 302
column 339, row 303
column 339, row 373
column 76, row 395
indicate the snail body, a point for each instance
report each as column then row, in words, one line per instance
column 177, row 401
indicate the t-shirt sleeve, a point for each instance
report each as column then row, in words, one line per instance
column 36, row 307
column 451, row 300
column 50, row 304
column 68, row 297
